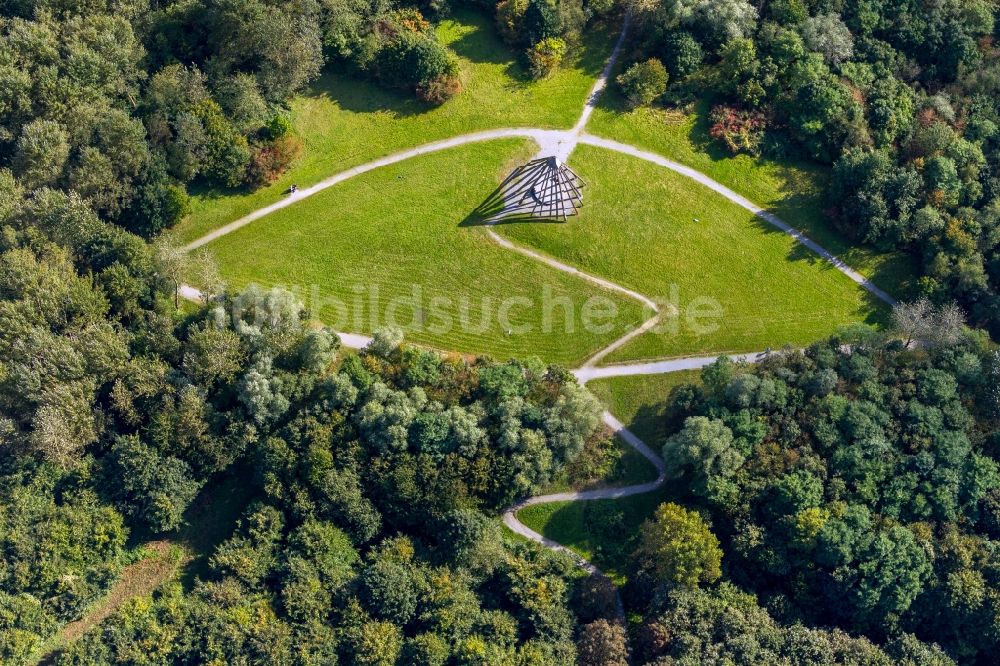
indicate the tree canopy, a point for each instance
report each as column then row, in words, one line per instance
column 899, row 97
column 852, row 486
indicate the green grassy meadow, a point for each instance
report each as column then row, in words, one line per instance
column 638, row 229
column 638, row 401
column 791, row 190
column 344, row 120
column 374, row 237
column 601, row 531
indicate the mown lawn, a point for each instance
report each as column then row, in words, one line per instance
column 791, row 190
column 345, row 121
column 377, row 237
column 639, row 401
column 638, row 228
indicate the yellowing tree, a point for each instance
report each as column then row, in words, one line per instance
column 677, row 545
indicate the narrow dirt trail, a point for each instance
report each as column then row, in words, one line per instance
column 135, row 580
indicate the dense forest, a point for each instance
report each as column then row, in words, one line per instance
column 374, row 474
column 853, row 486
column 901, row 97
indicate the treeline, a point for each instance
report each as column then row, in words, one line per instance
column 901, row 96
column 124, row 104
column 115, row 411
column 368, row 543
column 128, row 102
column 853, row 487
column 369, row 538
column 376, row 475
column 544, row 30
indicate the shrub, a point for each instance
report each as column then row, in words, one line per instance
column 602, row 643
column 510, row 14
column 741, row 131
column 227, row 151
column 272, row 159
column 278, row 126
column 596, row 461
column 414, row 59
column 682, row 54
column 411, row 20
column 440, row 89
column 643, row 82
column 159, row 203
column 545, row 56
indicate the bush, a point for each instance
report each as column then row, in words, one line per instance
column 272, row 159
column 159, row 203
column 510, row 14
column 545, row 56
column 411, row 20
column 602, row 643
column 598, row 8
column 597, row 461
column 741, row 131
column 227, row 151
column 440, row 89
column 643, row 82
column 682, row 54
column 412, row 60
column 278, row 126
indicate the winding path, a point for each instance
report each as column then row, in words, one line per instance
column 561, row 144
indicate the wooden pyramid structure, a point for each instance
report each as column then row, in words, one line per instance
column 542, row 189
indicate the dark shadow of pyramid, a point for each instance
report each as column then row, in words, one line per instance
column 543, row 190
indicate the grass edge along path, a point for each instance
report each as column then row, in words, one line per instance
column 304, row 244
column 345, row 121
column 789, row 189
column 637, row 400
column 765, row 277
column 641, row 491
column 592, row 100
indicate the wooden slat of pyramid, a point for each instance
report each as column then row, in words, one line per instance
column 542, row 189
